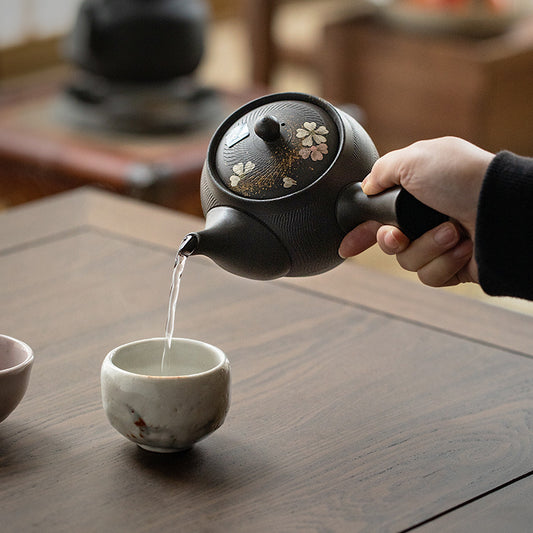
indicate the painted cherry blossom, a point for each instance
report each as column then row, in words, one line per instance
column 316, row 152
column 288, row 183
column 311, row 133
column 240, row 170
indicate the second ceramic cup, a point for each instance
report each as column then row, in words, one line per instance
column 166, row 413
column 16, row 361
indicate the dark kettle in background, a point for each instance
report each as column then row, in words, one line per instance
column 138, row 41
column 280, row 188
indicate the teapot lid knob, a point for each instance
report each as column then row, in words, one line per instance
column 268, row 128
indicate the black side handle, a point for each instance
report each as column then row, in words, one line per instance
column 395, row 207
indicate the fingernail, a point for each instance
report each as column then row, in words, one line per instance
column 343, row 250
column 391, row 242
column 446, row 235
column 364, row 183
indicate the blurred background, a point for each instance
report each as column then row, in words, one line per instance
column 125, row 94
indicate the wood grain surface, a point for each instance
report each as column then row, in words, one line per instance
column 344, row 416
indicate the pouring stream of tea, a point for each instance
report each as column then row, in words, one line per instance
column 177, row 273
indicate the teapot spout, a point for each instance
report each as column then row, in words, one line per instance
column 189, row 244
column 240, row 244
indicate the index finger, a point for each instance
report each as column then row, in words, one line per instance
column 388, row 171
column 359, row 239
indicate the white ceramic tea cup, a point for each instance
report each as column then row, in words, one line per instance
column 16, row 361
column 166, row 413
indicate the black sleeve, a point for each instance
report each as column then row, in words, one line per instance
column 504, row 227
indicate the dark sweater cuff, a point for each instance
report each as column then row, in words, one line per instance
column 504, row 237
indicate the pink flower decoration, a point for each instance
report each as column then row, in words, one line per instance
column 316, row 152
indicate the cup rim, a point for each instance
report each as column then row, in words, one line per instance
column 223, row 359
column 28, row 360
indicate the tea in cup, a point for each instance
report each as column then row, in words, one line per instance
column 166, row 411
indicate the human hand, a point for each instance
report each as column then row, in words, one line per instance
column 445, row 174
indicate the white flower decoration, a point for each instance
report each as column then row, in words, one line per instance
column 288, row 183
column 240, row 170
column 310, row 133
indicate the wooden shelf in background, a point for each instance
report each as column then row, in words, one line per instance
column 414, row 85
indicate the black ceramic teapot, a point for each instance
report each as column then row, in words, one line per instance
column 281, row 187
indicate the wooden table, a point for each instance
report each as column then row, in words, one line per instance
column 359, row 402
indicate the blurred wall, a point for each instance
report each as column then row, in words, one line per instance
column 24, row 20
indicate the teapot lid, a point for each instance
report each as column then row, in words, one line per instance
column 276, row 145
